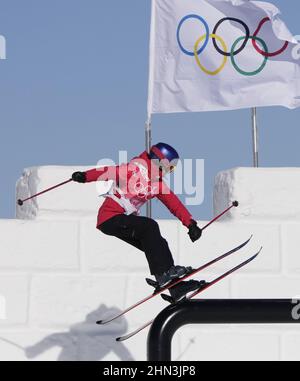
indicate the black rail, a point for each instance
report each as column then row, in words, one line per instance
column 231, row 311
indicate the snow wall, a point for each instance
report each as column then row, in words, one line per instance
column 59, row 274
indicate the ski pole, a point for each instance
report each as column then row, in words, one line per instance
column 21, row 202
column 235, row 204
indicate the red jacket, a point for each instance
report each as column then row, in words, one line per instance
column 134, row 184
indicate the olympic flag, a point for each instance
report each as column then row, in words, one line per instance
column 209, row 55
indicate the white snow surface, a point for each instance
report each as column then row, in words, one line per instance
column 59, row 274
column 71, row 200
column 263, row 193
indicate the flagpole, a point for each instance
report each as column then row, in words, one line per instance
column 148, row 138
column 255, row 137
column 148, row 131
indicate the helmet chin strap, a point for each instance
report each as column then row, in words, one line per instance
column 163, row 170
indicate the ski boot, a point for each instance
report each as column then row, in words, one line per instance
column 181, row 290
column 165, row 279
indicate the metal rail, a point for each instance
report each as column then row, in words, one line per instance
column 232, row 311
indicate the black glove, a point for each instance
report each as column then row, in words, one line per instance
column 194, row 231
column 79, row 177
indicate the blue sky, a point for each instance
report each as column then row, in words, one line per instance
column 74, row 90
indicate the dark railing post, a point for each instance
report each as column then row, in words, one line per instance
column 231, row 311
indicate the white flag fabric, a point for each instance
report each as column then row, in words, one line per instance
column 209, row 55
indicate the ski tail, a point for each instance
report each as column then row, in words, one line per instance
column 160, row 291
column 202, row 289
column 126, row 337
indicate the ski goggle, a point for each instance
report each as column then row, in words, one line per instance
column 164, row 164
column 167, row 168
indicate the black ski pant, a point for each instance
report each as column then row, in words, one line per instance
column 144, row 234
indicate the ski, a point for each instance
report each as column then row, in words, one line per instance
column 160, row 291
column 202, row 289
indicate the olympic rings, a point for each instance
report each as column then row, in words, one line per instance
column 274, row 54
column 207, row 34
column 215, row 37
column 261, row 68
column 143, row 191
column 244, row 43
column 225, row 52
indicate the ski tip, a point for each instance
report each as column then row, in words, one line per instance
column 259, row 251
column 256, row 255
column 20, row 202
column 235, row 204
column 246, row 242
column 99, row 322
column 118, row 339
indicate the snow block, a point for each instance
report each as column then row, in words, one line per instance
column 14, row 291
column 69, row 201
column 228, row 345
column 290, row 247
column 39, row 245
column 110, row 254
column 61, row 300
column 263, row 193
column 77, row 343
column 29, row 345
column 265, row 287
column 224, row 236
column 290, row 347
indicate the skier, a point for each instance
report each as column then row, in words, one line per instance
column 134, row 184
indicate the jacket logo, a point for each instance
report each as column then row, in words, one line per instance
column 144, row 191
